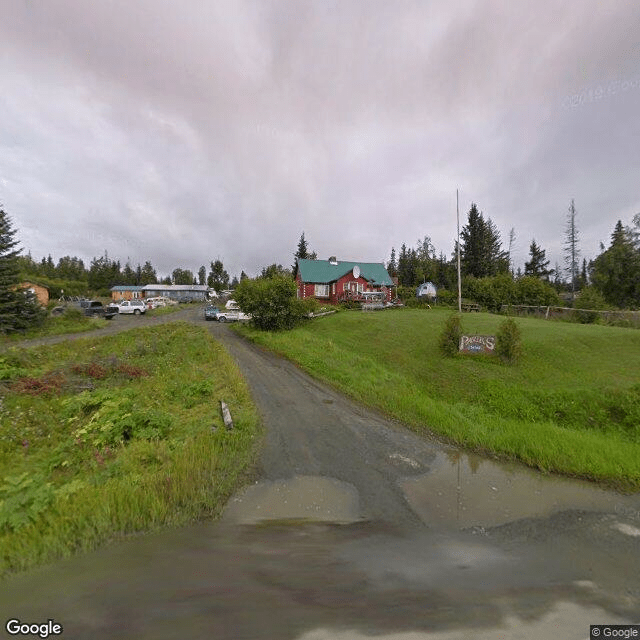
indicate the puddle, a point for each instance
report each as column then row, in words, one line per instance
column 301, row 498
column 567, row 620
column 466, row 490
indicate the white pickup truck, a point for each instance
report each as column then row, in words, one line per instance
column 232, row 313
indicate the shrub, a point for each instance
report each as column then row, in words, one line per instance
column 406, row 293
column 447, row 297
column 587, row 302
column 509, row 342
column 533, row 291
column 271, row 302
column 418, row 303
column 450, row 336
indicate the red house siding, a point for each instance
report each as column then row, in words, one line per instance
column 337, row 289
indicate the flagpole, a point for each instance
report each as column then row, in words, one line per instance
column 458, row 243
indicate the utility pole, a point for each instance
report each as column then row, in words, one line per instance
column 458, row 244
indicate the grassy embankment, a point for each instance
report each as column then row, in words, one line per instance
column 101, row 438
column 73, row 321
column 572, row 404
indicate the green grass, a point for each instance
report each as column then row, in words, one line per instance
column 102, row 438
column 571, row 405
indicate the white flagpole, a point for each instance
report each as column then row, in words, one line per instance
column 459, row 283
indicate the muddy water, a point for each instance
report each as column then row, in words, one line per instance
column 319, row 571
column 465, row 490
column 302, row 498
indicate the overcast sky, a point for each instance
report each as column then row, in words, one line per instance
column 182, row 132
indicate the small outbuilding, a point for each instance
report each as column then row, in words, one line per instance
column 427, row 290
column 38, row 290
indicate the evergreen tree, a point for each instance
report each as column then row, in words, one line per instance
column 129, row 275
column 512, row 239
column 202, row 275
column 615, row 273
column 538, row 264
column 406, row 266
column 103, row 274
column 480, row 252
column 571, row 249
column 275, row 271
column 148, row 274
column 71, row 268
column 19, row 309
column 243, row 276
column 392, row 265
column 425, row 261
column 302, row 252
column 182, row 276
column 218, row 278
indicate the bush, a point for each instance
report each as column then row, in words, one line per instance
column 450, row 336
column 509, row 342
column 405, row 293
column 418, row 303
column 589, row 300
column 533, row 291
column 271, row 302
column 447, row 297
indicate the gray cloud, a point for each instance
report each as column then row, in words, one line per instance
column 183, row 133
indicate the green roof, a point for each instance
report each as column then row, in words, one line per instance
column 126, row 287
column 324, row 272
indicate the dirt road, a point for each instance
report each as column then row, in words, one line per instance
column 357, row 528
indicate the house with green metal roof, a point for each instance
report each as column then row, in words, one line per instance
column 336, row 281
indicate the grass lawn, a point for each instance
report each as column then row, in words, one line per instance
column 72, row 322
column 105, row 437
column 571, row 405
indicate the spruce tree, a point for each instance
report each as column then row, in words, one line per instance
column 481, row 250
column 571, row 249
column 302, row 253
column 19, row 309
column 538, row 265
column 615, row 273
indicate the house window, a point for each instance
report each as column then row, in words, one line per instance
column 355, row 287
column 322, row 291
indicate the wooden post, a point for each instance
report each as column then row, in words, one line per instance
column 226, row 415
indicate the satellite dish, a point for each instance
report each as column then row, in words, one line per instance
column 356, row 272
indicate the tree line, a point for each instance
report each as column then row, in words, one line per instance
column 611, row 278
column 103, row 273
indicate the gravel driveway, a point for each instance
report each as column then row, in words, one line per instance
column 356, row 528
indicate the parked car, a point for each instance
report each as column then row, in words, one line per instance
column 159, row 301
column 132, row 306
column 211, row 312
column 232, row 313
column 95, row 309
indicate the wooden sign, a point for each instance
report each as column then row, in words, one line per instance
column 477, row 344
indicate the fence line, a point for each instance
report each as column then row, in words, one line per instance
column 619, row 318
